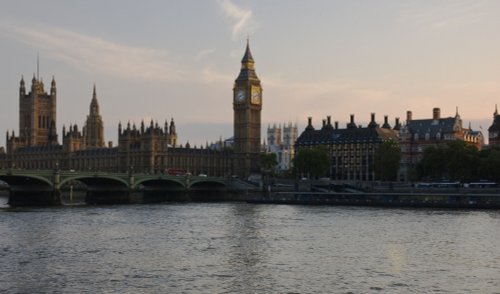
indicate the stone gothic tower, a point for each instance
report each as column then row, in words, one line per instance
column 94, row 127
column 247, row 106
column 494, row 129
column 274, row 135
column 37, row 114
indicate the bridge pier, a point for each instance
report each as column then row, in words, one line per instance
column 34, row 196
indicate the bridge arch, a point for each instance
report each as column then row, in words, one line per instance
column 160, row 182
column 102, row 189
column 100, row 180
column 21, row 179
column 26, row 190
column 208, row 184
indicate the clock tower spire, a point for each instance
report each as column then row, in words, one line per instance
column 247, row 106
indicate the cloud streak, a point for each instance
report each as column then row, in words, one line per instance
column 202, row 54
column 93, row 54
column 443, row 15
column 241, row 18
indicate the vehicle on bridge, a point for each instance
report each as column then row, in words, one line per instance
column 177, row 172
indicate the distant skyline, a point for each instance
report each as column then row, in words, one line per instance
column 163, row 59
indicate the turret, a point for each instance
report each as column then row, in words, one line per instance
column 53, row 89
column 52, row 136
column 172, row 134
column 172, row 127
column 94, row 105
column 22, row 87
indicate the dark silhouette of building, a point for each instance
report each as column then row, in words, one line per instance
column 352, row 149
column 494, row 130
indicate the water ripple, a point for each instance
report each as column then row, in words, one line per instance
column 241, row 248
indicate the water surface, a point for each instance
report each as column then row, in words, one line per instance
column 243, row 248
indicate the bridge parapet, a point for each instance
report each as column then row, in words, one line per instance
column 102, row 186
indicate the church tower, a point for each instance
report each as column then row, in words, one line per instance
column 247, row 106
column 37, row 114
column 94, row 127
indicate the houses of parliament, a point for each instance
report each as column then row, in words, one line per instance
column 148, row 148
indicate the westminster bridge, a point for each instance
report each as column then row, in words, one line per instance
column 45, row 187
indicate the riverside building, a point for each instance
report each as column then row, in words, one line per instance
column 418, row 134
column 351, row 149
column 151, row 148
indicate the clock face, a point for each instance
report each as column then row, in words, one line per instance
column 240, row 96
column 256, row 98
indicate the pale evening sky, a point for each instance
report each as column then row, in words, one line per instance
column 163, row 59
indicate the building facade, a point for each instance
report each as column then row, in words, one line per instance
column 351, row 150
column 149, row 149
column 494, row 130
column 418, row 134
column 93, row 132
column 247, row 107
column 37, row 116
column 280, row 141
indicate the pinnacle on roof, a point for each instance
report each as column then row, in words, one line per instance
column 247, row 71
column 248, row 55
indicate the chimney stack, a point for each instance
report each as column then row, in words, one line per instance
column 436, row 113
column 408, row 116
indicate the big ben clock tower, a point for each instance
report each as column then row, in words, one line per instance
column 247, row 106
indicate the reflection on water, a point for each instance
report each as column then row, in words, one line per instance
column 242, row 248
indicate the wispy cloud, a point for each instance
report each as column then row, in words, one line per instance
column 241, row 18
column 440, row 15
column 202, row 54
column 93, row 54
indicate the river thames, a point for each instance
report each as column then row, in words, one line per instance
column 244, row 248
